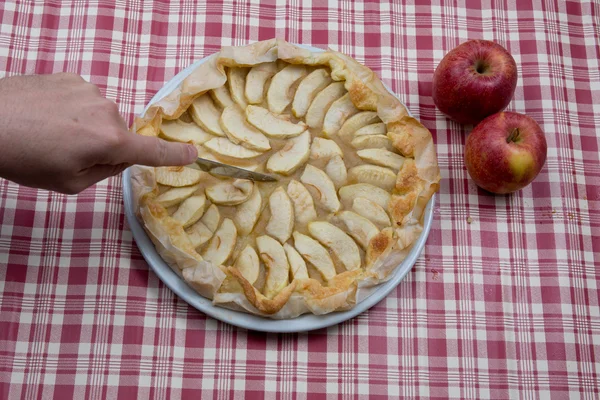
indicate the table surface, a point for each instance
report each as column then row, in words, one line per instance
column 504, row 301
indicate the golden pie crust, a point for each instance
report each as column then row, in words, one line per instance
column 356, row 173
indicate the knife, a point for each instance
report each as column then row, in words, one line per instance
column 216, row 168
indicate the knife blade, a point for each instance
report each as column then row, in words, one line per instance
column 217, row 168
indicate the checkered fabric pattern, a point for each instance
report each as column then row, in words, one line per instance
column 503, row 303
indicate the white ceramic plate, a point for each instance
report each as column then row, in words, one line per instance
column 303, row 323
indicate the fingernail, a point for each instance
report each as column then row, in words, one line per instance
column 192, row 153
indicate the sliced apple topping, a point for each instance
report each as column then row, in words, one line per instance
column 304, row 207
column 372, row 142
column 221, row 245
column 236, row 77
column 198, row 234
column 320, row 105
column 281, row 223
column 211, row 218
column 201, row 232
column 273, row 125
column 372, row 211
column 292, row 156
column 382, row 157
column 206, row 115
column 179, row 131
column 337, row 114
column 178, row 176
column 321, row 188
column 316, row 81
column 336, row 171
column 373, row 129
column 241, row 132
column 248, row 265
column 276, row 265
column 360, row 228
column 280, row 95
column 247, row 213
column 257, row 79
column 230, row 193
column 369, row 192
column 176, row 195
column 356, row 122
column 190, row 210
column 297, row 264
column 338, row 242
column 314, row 253
column 224, row 147
column 385, row 178
column 324, row 149
column 221, row 97
column 203, row 153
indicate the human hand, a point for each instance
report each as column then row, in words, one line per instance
column 57, row 132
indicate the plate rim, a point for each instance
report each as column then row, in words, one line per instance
column 302, row 323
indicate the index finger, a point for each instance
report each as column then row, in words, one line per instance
column 155, row 152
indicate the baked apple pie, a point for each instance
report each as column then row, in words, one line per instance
column 355, row 172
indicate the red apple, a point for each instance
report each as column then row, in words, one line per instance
column 474, row 80
column 505, row 152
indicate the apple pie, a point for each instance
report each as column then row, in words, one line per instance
column 355, row 173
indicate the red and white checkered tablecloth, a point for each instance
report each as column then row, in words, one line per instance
column 503, row 303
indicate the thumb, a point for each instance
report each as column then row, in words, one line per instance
column 156, row 152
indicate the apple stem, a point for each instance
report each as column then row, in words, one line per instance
column 514, row 136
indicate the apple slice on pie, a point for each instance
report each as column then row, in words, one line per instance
column 372, row 142
column 236, row 77
column 292, row 156
column 176, row 195
column 230, row 192
column 179, row 131
column 356, row 122
column 206, row 115
column 247, row 263
column 222, row 97
column 321, row 188
column 241, row 132
column 277, row 268
column 304, row 207
column 280, row 94
column 367, row 191
column 281, row 223
column 382, row 157
column 297, row 264
column 310, row 86
column 378, row 128
column 315, row 254
column 221, row 245
column 338, row 242
column 360, row 228
column 226, row 148
column 337, row 114
column 315, row 115
column 178, row 176
column 257, row 79
column 273, row 125
column 248, row 212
